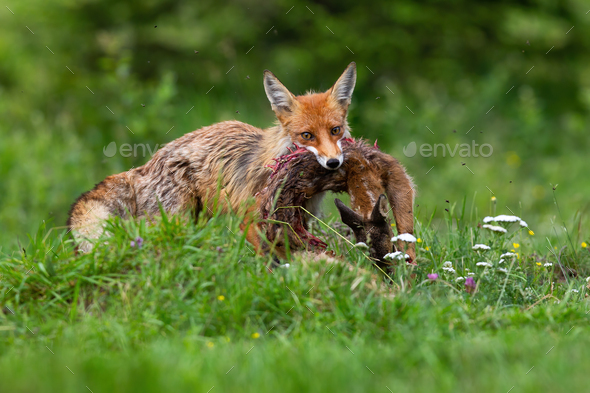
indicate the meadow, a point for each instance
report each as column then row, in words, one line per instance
column 166, row 306
column 89, row 89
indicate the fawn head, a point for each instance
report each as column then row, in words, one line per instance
column 372, row 228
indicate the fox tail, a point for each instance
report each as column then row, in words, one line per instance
column 113, row 196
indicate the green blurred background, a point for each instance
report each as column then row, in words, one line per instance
column 436, row 64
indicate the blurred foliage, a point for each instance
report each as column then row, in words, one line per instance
column 78, row 75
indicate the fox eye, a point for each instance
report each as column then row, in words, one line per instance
column 335, row 130
column 306, row 135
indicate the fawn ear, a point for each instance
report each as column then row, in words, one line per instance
column 349, row 216
column 344, row 86
column 281, row 99
column 379, row 214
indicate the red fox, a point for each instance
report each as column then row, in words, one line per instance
column 230, row 156
column 369, row 176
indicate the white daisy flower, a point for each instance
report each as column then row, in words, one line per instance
column 481, row 247
column 486, row 264
column 404, row 237
column 500, row 261
column 574, row 290
column 495, row 228
column 505, row 218
column 361, row 245
column 523, row 224
column 501, row 269
column 471, row 274
column 507, row 254
column 587, row 279
column 488, row 219
column 285, row 266
column 448, row 264
column 449, row 269
column 459, row 279
column 548, row 264
column 396, row 255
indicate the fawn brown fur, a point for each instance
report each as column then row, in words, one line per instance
column 366, row 175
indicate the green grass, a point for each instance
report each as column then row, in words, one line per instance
column 318, row 363
column 178, row 313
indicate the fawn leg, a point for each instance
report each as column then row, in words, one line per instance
column 400, row 193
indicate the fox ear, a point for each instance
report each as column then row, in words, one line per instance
column 281, row 99
column 344, row 86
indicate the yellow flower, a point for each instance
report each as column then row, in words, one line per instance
column 494, row 198
column 538, row 263
column 210, row 344
column 393, row 224
column 515, row 245
column 584, row 245
column 427, row 248
column 531, row 232
column 255, row 335
column 221, row 298
column 419, row 240
column 555, row 248
column 513, row 159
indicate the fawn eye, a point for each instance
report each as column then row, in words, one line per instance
column 335, row 130
column 306, row 135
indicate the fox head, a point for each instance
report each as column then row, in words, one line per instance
column 315, row 121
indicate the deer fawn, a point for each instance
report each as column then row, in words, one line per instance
column 369, row 176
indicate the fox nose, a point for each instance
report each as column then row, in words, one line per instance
column 333, row 163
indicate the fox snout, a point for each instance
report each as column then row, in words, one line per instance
column 330, row 163
column 333, row 163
